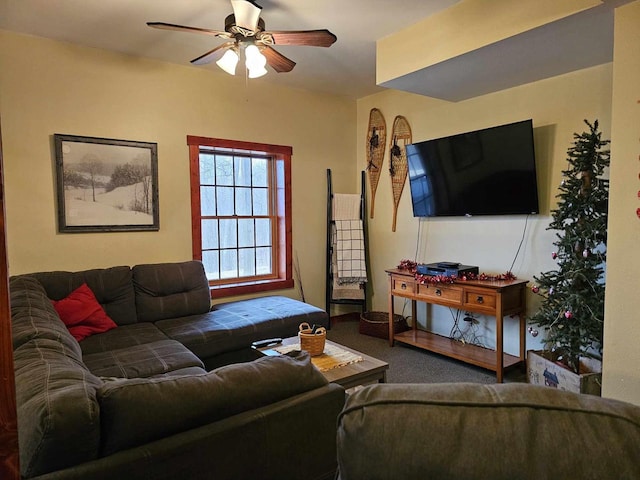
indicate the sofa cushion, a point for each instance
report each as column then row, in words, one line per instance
column 113, row 287
column 143, row 360
column 121, row 337
column 478, row 432
column 169, row 290
column 33, row 317
column 235, row 325
column 82, row 314
column 58, row 414
column 132, row 409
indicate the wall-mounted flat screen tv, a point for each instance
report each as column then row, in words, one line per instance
column 485, row 172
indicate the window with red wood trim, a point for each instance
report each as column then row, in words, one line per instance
column 241, row 214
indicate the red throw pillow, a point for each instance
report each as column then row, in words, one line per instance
column 82, row 314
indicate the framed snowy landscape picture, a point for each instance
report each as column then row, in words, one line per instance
column 106, row 185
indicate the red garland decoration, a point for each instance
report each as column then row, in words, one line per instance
column 410, row 265
column 407, row 265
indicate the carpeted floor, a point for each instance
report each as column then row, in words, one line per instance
column 412, row 365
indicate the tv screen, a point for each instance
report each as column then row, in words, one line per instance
column 485, row 172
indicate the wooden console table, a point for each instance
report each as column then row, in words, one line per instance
column 495, row 298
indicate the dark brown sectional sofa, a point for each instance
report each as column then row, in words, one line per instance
column 150, row 399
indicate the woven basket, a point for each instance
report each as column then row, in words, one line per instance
column 376, row 324
column 312, row 342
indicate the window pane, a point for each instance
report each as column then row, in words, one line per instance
column 259, row 172
column 243, row 171
column 260, row 201
column 247, row 262
column 209, row 234
column 246, row 233
column 228, row 263
column 263, row 232
column 206, row 169
column 225, row 200
column 263, row 261
column 243, row 201
column 207, row 201
column 224, row 170
column 228, row 233
column 211, row 266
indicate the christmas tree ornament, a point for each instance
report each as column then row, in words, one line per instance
column 586, row 252
column 568, row 314
column 535, row 289
column 554, row 255
column 534, row 333
column 551, row 290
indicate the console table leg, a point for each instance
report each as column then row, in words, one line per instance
column 499, row 341
column 523, row 336
column 390, row 311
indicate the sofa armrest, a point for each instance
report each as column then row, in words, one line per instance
column 293, row 438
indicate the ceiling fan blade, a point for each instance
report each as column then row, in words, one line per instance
column 277, row 61
column 210, row 55
column 246, row 13
column 311, row 38
column 184, row 28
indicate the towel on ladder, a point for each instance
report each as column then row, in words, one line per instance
column 350, row 291
column 350, row 251
column 346, row 206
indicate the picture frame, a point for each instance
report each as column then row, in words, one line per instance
column 106, row 185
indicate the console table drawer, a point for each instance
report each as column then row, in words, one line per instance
column 484, row 300
column 401, row 286
column 440, row 293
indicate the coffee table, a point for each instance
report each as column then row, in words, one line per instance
column 369, row 370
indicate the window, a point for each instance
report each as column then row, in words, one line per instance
column 241, row 214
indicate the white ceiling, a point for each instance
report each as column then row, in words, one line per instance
column 347, row 67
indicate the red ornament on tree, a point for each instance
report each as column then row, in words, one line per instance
column 568, row 314
column 535, row 289
column 554, row 255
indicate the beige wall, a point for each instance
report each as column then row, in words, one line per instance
column 49, row 87
column 622, row 303
column 557, row 107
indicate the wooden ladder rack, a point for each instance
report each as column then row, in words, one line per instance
column 362, row 303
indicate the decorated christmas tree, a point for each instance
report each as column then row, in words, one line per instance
column 571, row 314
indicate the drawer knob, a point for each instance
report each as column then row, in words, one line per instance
column 438, row 292
column 403, row 286
column 479, row 299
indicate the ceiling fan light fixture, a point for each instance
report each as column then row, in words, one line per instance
column 257, row 72
column 228, row 62
column 255, row 61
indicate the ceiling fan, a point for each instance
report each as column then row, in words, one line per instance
column 245, row 33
